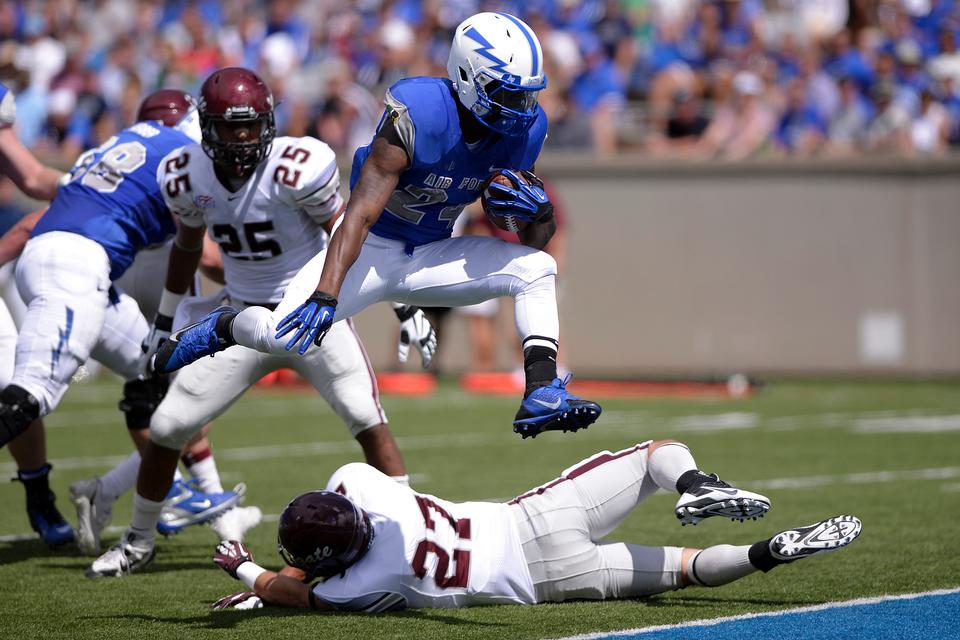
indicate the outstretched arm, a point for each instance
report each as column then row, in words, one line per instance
column 378, row 179
column 285, row 589
column 13, row 241
column 310, row 322
column 30, row 175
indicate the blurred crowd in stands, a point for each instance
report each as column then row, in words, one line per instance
column 697, row 78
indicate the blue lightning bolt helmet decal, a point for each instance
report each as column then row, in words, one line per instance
column 484, row 50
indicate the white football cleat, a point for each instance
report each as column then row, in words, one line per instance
column 131, row 554
column 710, row 496
column 234, row 524
column 827, row 535
column 93, row 513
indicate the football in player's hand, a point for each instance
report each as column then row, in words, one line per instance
column 500, row 217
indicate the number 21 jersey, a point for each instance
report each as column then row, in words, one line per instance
column 270, row 227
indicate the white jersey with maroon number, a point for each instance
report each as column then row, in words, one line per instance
column 270, row 227
column 427, row 552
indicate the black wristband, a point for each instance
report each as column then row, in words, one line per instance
column 406, row 312
column 323, row 299
column 163, row 323
column 545, row 214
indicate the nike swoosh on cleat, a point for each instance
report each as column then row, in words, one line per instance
column 549, row 405
column 729, row 492
column 203, row 504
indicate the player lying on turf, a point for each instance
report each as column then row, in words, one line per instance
column 381, row 546
column 438, row 142
column 268, row 202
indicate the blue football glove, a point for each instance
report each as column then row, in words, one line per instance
column 525, row 200
column 310, row 322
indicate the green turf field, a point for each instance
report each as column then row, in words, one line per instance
column 886, row 452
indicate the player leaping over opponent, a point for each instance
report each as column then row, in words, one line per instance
column 382, row 547
column 438, row 142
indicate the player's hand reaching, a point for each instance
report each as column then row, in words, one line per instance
column 309, row 322
column 240, row 600
column 159, row 333
column 230, row 554
column 415, row 328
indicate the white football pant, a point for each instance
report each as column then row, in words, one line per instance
column 561, row 525
column 451, row 273
column 339, row 370
column 64, row 279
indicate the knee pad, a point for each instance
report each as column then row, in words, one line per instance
column 541, row 264
column 141, row 397
column 18, row 408
column 172, row 431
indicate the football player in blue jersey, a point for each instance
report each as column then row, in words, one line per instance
column 437, row 144
column 29, row 451
column 109, row 210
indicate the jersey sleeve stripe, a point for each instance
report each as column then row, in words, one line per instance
column 324, row 192
column 385, row 603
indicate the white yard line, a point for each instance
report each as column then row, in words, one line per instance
column 709, row 622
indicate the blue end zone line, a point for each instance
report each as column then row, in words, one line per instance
column 911, row 623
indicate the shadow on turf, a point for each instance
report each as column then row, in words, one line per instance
column 709, row 601
column 20, row 550
column 231, row 619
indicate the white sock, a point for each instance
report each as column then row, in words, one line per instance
column 668, row 462
column 404, row 479
column 535, row 308
column 254, row 328
column 720, row 564
column 177, row 475
column 145, row 516
column 121, row 478
column 206, row 475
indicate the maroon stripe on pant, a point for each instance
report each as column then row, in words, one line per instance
column 582, row 469
column 370, row 371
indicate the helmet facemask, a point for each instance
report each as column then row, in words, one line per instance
column 311, row 546
column 503, row 104
column 238, row 157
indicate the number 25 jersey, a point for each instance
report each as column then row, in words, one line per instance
column 426, row 552
column 270, row 227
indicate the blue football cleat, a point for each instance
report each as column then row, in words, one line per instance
column 192, row 343
column 46, row 520
column 186, row 505
column 42, row 510
column 552, row 408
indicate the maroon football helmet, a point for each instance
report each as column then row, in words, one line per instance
column 168, row 106
column 323, row 533
column 234, row 100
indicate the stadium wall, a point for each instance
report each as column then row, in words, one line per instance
column 769, row 266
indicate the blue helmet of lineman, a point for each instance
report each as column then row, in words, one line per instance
column 496, row 66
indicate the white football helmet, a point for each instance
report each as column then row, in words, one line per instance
column 496, row 66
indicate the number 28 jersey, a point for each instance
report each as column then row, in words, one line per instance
column 113, row 198
column 426, row 552
column 269, row 228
